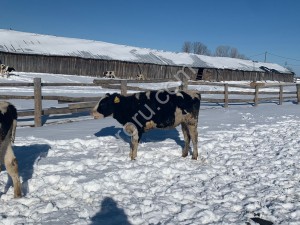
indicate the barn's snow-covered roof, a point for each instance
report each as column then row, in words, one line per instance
column 31, row 43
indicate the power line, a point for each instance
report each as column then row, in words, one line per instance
column 283, row 57
column 291, row 64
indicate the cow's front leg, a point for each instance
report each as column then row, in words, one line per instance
column 187, row 139
column 11, row 165
column 133, row 148
column 194, row 136
column 135, row 138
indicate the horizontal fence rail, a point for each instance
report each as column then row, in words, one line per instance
column 256, row 92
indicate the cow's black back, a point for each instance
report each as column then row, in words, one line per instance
column 159, row 107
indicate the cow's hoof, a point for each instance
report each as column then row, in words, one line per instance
column 195, row 158
column 184, row 154
column 17, row 196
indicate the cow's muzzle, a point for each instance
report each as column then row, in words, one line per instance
column 97, row 115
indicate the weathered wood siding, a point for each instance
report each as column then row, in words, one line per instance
column 126, row 70
column 90, row 67
column 238, row 75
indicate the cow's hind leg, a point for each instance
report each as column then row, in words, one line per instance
column 11, row 165
column 133, row 147
column 187, row 139
column 194, row 136
column 135, row 138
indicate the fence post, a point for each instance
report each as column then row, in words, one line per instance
column 298, row 93
column 280, row 94
column 256, row 95
column 225, row 95
column 37, row 102
column 123, row 87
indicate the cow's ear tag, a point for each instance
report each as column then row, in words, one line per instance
column 117, row 99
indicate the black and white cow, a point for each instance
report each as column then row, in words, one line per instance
column 5, row 70
column 162, row 109
column 140, row 77
column 8, row 125
column 109, row 74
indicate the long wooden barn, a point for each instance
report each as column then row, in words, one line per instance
column 29, row 52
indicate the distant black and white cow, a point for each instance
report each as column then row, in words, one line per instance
column 162, row 109
column 5, row 70
column 109, row 74
column 8, row 124
column 140, row 77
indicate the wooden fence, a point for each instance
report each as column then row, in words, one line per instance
column 256, row 93
column 84, row 104
column 256, row 88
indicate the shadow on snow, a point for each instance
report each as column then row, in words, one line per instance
column 110, row 214
column 27, row 157
column 155, row 135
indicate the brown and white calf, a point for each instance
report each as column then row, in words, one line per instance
column 162, row 109
column 8, row 125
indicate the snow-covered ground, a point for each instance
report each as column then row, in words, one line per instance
column 80, row 173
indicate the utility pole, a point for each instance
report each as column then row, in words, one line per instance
column 266, row 56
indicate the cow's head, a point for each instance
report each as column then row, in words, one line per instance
column 105, row 106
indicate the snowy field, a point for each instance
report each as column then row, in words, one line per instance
column 80, row 172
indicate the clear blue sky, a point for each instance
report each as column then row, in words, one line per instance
column 252, row 26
